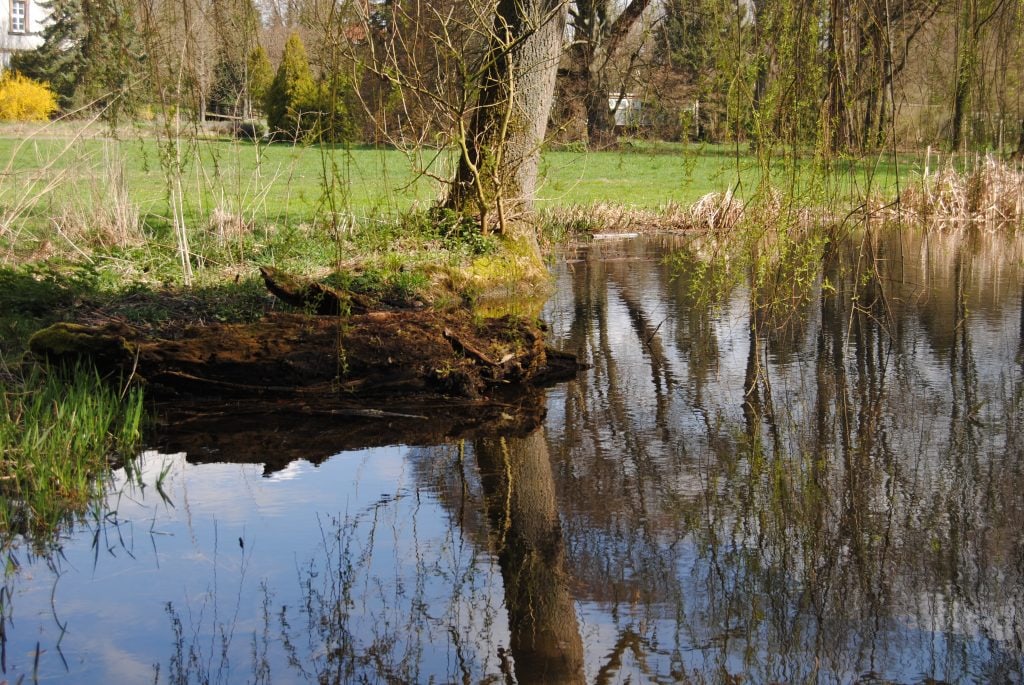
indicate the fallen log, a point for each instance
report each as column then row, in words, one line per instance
column 363, row 356
column 314, row 297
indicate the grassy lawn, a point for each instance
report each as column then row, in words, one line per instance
column 270, row 183
column 654, row 174
column 281, row 184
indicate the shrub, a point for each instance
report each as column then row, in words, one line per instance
column 249, row 130
column 22, row 99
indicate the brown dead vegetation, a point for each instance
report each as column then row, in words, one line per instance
column 992, row 196
column 714, row 212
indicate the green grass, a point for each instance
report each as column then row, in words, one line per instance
column 58, row 435
column 283, row 184
column 269, row 183
column 651, row 175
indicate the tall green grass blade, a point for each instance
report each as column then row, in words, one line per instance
column 59, row 433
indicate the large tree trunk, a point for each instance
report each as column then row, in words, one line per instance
column 497, row 171
column 596, row 41
column 600, row 120
column 519, row 493
column 836, row 69
column 583, row 84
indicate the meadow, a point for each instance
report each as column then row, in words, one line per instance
column 52, row 172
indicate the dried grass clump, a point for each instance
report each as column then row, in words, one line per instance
column 715, row 213
column 991, row 195
column 600, row 217
column 102, row 214
column 227, row 225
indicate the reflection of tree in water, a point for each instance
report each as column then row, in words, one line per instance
column 526, row 534
column 840, row 499
column 383, row 603
column 827, row 504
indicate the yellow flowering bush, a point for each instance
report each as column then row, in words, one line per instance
column 23, row 99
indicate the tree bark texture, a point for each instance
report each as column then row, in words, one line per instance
column 968, row 30
column 497, row 172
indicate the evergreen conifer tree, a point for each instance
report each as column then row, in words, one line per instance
column 333, row 124
column 59, row 60
column 228, row 90
column 292, row 92
column 260, row 75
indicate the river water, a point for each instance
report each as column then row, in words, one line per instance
column 830, row 492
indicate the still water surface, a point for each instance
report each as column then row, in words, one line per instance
column 831, row 495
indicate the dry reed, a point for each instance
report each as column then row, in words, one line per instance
column 228, row 226
column 715, row 212
column 102, row 213
column 991, row 195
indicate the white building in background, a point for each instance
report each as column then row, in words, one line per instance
column 628, row 109
column 21, row 27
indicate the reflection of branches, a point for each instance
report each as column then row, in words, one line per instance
column 587, row 427
column 5, row 608
column 628, row 640
column 647, row 335
column 811, row 544
column 351, row 627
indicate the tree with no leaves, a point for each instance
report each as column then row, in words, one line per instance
column 598, row 34
column 500, row 143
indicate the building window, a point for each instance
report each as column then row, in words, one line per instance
column 18, row 15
